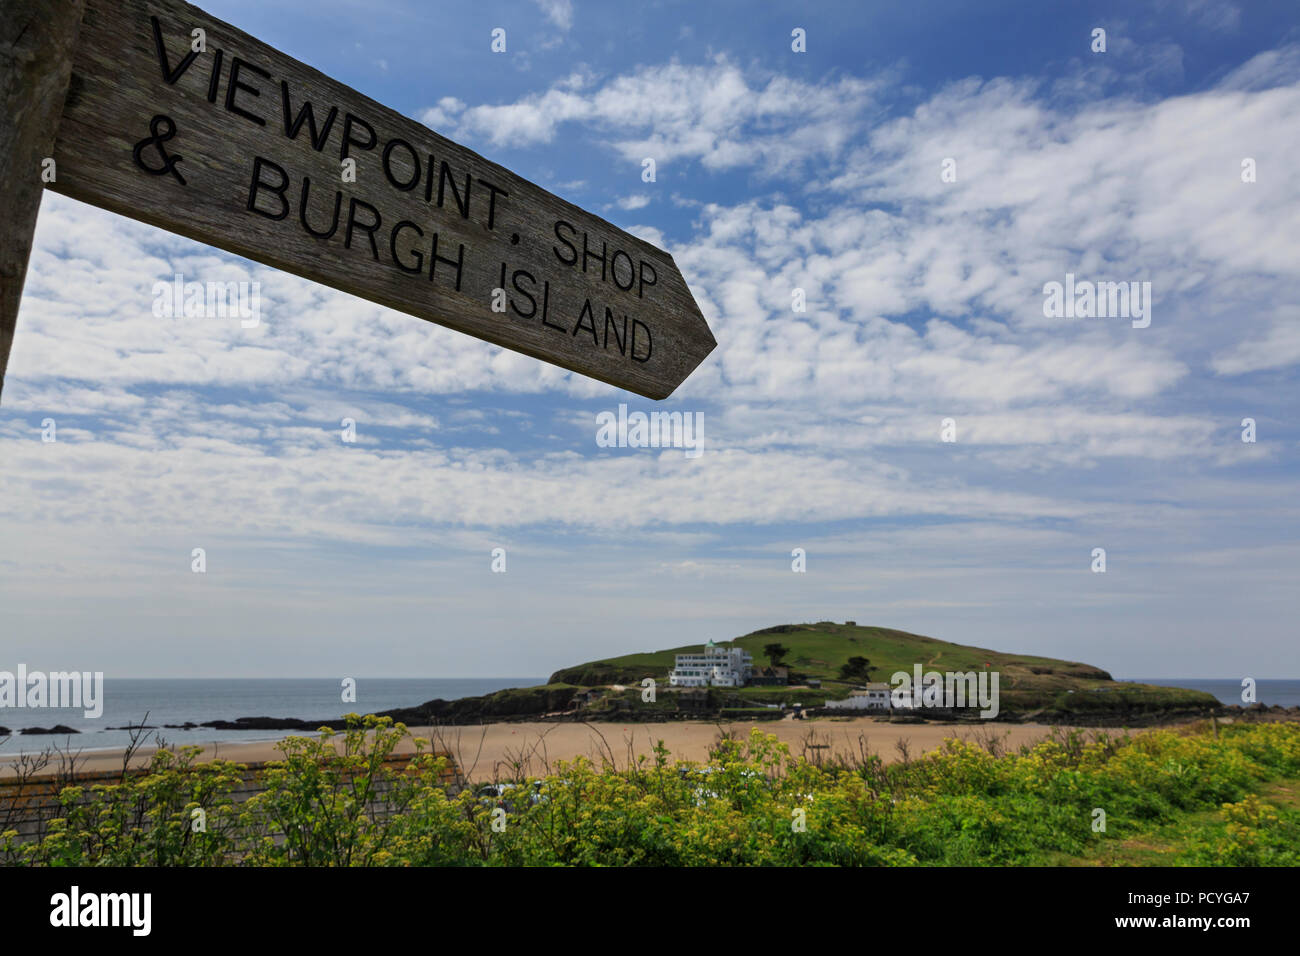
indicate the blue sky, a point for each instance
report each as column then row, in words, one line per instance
column 775, row 170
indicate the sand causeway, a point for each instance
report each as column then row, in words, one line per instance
column 528, row 748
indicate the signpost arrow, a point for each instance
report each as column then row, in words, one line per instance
column 182, row 121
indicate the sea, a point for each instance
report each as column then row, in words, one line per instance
column 174, row 701
column 161, row 701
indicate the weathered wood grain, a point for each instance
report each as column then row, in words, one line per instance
column 37, row 40
column 212, row 102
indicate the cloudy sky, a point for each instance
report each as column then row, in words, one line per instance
column 776, row 170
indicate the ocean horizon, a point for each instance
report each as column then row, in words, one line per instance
column 177, row 700
column 159, row 701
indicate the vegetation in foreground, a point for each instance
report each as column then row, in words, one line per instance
column 1190, row 797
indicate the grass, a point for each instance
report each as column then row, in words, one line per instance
column 1028, row 683
column 1192, row 796
column 1181, row 842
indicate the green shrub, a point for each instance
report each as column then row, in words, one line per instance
column 343, row 800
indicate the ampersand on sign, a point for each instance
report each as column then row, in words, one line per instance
column 161, row 129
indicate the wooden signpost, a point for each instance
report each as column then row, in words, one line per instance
column 182, row 121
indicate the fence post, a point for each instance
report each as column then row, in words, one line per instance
column 37, row 42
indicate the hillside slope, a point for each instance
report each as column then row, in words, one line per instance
column 1029, row 685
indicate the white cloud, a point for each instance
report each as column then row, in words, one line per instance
column 559, row 12
column 710, row 113
column 1216, row 16
column 1277, row 348
column 923, row 302
column 443, row 116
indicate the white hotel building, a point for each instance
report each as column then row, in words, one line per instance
column 716, row 667
column 874, row 696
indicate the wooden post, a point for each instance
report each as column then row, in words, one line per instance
column 37, row 41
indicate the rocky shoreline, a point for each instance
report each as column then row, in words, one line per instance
column 472, row 710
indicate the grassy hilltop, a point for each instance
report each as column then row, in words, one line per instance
column 1030, row 686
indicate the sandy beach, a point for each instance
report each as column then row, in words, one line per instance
column 500, row 751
